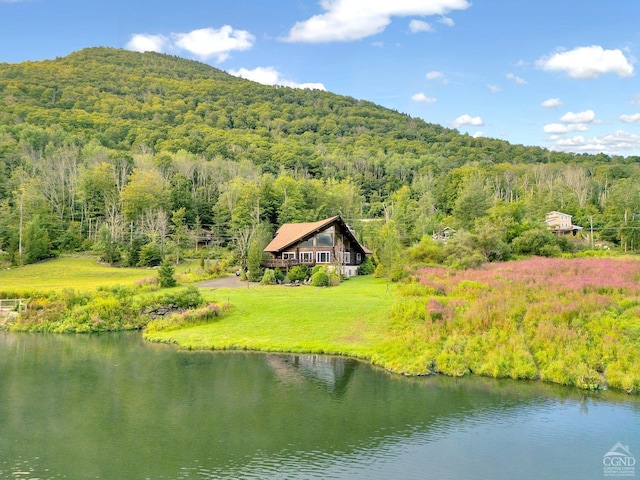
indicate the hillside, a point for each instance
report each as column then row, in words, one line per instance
column 126, row 100
column 124, row 140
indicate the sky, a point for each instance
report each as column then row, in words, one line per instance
column 560, row 74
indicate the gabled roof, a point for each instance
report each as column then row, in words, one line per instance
column 291, row 233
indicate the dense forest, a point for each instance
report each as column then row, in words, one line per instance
column 136, row 155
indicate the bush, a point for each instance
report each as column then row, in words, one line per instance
column 367, row 267
column 269, row 277
column 190, row 297
column 533, row 242
column 150, row 255
column 299, row 273
column 320, row 279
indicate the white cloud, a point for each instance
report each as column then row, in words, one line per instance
column 209, row 42
column 516, row 79
column 417, row 26
column 618, row 143
column 630, row 118
column 559, row 128
column 345, row 20
column 555, row 128
column 204, row 43
column 468, row 120
column 587, row 62
column 494, row 88
column 142, row 42
column 588, row 116
column 421, row 97
column 446, row 21
column 552, row 103
column 270, row 76
column 478, row 135
column 435, row 75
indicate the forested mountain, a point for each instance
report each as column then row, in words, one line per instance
column 119, row 149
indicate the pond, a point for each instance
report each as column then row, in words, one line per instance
column 116, row 407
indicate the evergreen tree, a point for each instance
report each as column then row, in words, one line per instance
column 254, row 258
column 165, row 274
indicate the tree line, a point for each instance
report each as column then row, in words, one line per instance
column 139, row 155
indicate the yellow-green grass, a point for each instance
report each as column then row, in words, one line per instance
column 82, row 273
column 350, row 319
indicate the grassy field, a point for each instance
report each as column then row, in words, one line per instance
column 79, row 273
column 350, row 319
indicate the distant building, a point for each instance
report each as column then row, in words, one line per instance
column 444, row 234
column 561, row 224
column 326, row 242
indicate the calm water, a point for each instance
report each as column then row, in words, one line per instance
column 116, row 407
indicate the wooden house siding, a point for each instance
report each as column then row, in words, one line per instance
column 327, row 242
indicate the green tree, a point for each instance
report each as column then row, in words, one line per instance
column 254, row 258
column 145, row 192
column 37, row 245
column 107, row 246
column 180, row 233
column 165, row 274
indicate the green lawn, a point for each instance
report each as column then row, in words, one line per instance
column 79, row 273
column 350, row 319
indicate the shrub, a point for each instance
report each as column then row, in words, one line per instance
column 367, row 267
column 320, row 279
column 299, row 273
column 190, row 297
column 533, row 242
column 269, row 277
column 150, row 255
column 427, row 251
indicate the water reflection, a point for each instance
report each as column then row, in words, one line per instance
column 331, row 374
column 114, row 406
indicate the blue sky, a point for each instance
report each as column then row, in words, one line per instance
column 560, row 74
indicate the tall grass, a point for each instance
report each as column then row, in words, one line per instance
column 574, row 322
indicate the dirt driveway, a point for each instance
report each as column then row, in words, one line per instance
column 225, row 282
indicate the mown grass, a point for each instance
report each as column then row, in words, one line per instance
column 81, row 272
column 350, row 319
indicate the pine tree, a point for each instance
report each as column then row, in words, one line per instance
column 165, row 274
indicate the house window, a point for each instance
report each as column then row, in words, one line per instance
column 306, row 257
column 358, row 257
column 346, row 258
column 288, row 255
column 307, row 243
column 324, row 240
column 323, row 257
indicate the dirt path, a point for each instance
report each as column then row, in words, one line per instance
column 224, row 282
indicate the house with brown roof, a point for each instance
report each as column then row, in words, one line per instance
column 561, row 224
column 328, row 242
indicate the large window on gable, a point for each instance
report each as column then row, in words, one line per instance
column 307, row 243
column 324, row 240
